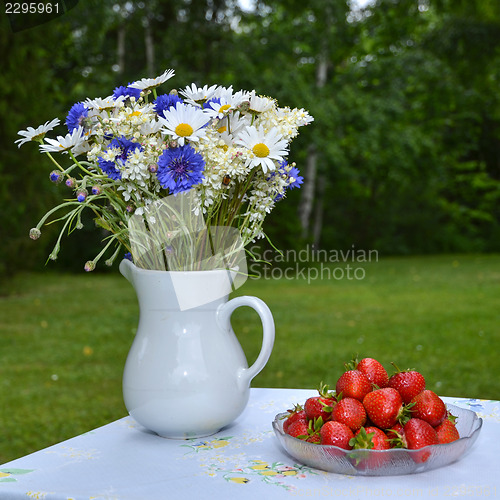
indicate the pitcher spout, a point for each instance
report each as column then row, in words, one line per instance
column 127, row 270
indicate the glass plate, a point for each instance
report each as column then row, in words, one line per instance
column 392, row 462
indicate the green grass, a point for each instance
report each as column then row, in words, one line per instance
column 64, row 338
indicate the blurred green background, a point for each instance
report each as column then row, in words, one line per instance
column 403, row 158
column 404, row 153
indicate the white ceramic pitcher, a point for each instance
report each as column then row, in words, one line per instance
column 186, row 374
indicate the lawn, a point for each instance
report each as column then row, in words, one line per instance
column 64, row 338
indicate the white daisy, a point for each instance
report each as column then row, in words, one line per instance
column 184, row 122
column 266, row 148
column 223, row 105
column 198, row 95
column 221, row 91
column 36, row 134
column 151, row 83
column 216, row 109
column 150, row 127
column 260, row 104
column 73, row 140
column 83, row 147
column 238, row 122
column 100, row 104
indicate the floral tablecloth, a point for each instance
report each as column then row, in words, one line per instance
column 124, row 461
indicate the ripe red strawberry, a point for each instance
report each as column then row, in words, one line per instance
column 298, row 429
column 384, row 407
column 353, row 384
column 408, row 383
column 320, row 406
column 293, row 415
column 314, row 438
column 419, row 434
column 447, row 430
column 375, row 372
column 317, row 406
column 351, row 412
column 337, row 434
column 428, row 406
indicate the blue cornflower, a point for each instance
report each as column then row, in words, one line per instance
column 126, row 92
column 295, row 178
column 76, row 116
column 292, row 176
column 164, row 102
column 179, row 169
column 206, row 105
column 111, row 167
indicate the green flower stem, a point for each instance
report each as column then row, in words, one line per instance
column 57, row 246
column 79, row 164
column 110, row 261
column 112, row 238
column 55, row 209
column 239, row 198
column 55, row 162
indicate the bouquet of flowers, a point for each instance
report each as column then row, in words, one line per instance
column 127, row 152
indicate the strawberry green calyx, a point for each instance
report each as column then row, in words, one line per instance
column 451, row 417
column 362, row 440
column 296, row 409
column 313, row 428
column 324, row 391
column 396, row 437
column 328, row 407
column 353, row 364
column 404, row 413
column 398, row 370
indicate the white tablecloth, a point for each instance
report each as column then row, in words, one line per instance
column 123, row 461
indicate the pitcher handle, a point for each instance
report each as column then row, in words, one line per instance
column 246, row 375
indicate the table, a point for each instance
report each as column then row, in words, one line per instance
column 124, row 461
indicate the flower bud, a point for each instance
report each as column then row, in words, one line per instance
column 244, row 106
column 35, row 233
column 70, row 182
column 89, row 266
column 81, row 195
column 96, row 189
column 153, row 168
column 130, row 209
column 56, row 176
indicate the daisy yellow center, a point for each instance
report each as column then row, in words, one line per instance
column 135, row 113
column 221, row 130
column 260, row 150
column 184, row 130
column 224, row 108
